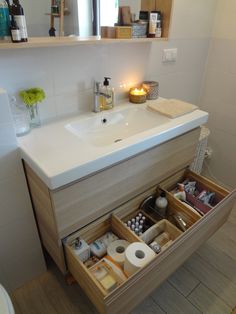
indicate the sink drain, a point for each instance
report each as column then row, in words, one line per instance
column 118, row 140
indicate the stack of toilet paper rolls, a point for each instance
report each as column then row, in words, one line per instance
column 131, row 257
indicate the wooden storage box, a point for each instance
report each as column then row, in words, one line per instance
column 123, row 32
column 202, row 184
column 125, row 297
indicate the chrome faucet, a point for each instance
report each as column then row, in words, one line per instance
column 97, row 107
column 96, row 103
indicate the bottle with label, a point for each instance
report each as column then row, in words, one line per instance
column 152, row 24
column 158, row 29
column 15, row 31
column 18, row 13
column 4, row 20
column 106, row 95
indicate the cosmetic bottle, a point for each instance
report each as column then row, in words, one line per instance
column 15, row 31
column 106, row 95
column 4, row 21
column 18, row 13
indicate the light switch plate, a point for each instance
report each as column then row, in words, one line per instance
column 170, row 55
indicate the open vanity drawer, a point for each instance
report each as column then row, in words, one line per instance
column 140, row 284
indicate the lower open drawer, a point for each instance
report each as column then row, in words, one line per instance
column 131, row 291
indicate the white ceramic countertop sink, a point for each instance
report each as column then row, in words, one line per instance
column 114, row 126
column 70, row 149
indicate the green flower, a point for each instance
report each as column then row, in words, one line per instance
column 32, row 96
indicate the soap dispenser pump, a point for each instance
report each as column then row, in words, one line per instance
column 107, row 95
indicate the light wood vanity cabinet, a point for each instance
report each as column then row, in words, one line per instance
column 98, row 203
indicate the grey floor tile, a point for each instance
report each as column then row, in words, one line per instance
column 148, row 307
column 222, row 242
column 207, row 302
column 218, row 259
column 213, row 279
column 172, row 301
column 183, row 281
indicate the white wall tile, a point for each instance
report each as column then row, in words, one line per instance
column 21, row 257
column 219, row 94
column 5, row 116
column 14, row 199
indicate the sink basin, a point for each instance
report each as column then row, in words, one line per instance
column 112, row 127
column 74, row 147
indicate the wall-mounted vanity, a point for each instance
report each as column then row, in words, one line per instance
column 85, row 185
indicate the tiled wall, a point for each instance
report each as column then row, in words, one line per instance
column 20, row 254
column 219, row 94
column 67, row 76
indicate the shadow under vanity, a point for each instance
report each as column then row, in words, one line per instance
column 103, row 202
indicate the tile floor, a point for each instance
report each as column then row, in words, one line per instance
column 206, row 283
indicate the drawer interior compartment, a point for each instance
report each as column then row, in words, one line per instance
column 194, row 191
column 177, row 214
column 124, row 296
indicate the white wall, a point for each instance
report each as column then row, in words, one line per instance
column 20, row 255
column 67, row 75
column 219, row 94
column 191, row 29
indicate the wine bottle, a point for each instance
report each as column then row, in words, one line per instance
column 15, row 31
column 18, row 13
column 4, row 20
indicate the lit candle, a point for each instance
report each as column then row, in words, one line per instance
column 138, row 92
column 137, row 95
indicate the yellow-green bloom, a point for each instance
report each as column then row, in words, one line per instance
column 32, row 96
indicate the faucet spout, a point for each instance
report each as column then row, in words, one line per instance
column 96, row 104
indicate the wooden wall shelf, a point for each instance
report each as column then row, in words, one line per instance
column 39, row 42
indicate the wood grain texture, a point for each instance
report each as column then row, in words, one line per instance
column 183, row 281
column 80, row 203
column 205, row 300
column 140, row 285
column 173, row 302
column 59, row 297
column 219, row 260
column 213, row 279
column 148, row 278
column 43, row 42
column 165, row 6
column 46, row 219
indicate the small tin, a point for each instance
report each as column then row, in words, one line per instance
column 152, row 89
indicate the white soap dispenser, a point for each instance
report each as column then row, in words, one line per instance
column 107, row 95
column 161, row 204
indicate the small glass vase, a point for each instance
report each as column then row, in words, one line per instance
column 20, row 117
column 34, row 116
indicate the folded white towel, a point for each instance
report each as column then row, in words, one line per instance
column 172, row 108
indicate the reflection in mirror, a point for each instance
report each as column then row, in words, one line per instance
column 82, row 17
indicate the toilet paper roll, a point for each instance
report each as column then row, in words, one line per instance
column 116, row 250
column 137, row 255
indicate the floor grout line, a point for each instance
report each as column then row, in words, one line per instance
column 193, row 289
column 185, row 297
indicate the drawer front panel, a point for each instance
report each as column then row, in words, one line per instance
column 142, row 283
column 83, row 202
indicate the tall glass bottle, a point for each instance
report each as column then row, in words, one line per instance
column 18, row 13
column 4, row 20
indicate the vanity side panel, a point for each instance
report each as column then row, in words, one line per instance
column 81, row 203
column 46, row 221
